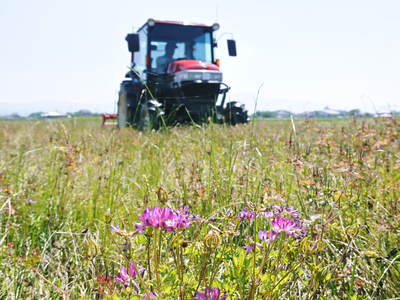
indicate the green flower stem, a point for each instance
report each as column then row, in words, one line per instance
column 157, row 258
column 148, row 256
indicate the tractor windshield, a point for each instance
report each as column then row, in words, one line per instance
column 171, row 42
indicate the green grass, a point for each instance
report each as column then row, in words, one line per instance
column 63, row 183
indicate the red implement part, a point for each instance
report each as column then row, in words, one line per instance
column 107, row 117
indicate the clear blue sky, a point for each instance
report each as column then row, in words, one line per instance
column 69, row 55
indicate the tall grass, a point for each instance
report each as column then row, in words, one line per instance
column 63, row 183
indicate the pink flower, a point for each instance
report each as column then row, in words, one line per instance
column 289, row 226
column 209, row 294
column 164, row 218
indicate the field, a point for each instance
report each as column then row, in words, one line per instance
column 268, row 210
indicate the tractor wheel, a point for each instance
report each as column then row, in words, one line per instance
column 151, row 115
column 128, row 103
column 235, row 113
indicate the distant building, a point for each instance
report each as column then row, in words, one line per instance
column 333, row 112
column 385, row 114
column 53, row 115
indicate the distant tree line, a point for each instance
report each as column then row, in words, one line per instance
column 326, row 113
column 79, row 113
column 278, row 114
column 41, row 115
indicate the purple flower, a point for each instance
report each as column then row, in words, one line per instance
column 125, row 276
column 209, row 294
column 246, row 215
column 291, row 211
column 303, row 231
column 250, row 247
column 268, row 236
column 117, row 230
column 139, row 227
column 268, row 214
column 164, row 218
column 277, row 208
column 285, row 210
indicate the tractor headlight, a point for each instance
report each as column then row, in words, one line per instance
column 217, row 76
column 181, row 76
column 198, row 75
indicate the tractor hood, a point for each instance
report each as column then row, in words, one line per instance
column 190, row 64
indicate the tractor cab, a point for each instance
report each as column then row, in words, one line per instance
column 175, row 77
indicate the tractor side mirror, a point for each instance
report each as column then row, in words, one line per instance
column 133, row 42
column 232, row 47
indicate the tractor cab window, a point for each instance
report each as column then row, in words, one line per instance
column 175, row 42
column 201, row 48
column 140, row 57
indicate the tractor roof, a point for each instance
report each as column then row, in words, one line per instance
column 181, row 23
column 152, row 22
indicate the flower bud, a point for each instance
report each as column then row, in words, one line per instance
column 212, row 239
